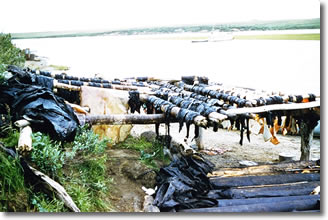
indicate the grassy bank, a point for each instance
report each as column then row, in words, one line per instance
column 279, row 37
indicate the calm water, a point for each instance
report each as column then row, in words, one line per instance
column 292, row 66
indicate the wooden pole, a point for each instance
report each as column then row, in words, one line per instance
column 25, row 139
column 124, row 119
column 275, row 107
column 306, row 140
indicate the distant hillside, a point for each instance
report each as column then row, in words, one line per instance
column 227, row 27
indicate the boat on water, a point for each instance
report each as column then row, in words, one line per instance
column 216, row 37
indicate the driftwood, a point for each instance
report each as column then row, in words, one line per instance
column 225, row 182
column 290, row 189
column 311, row 203
column 298, row 166
column 39, row 179
column 57, row 188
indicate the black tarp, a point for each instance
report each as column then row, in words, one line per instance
column 184, row 184
column 47, row 112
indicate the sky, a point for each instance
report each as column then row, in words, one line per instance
column 41, row 15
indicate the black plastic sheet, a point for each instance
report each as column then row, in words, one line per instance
column 46, row 112
column 184, row 184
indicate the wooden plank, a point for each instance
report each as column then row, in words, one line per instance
column 291, row 189
column 287, row 206
column 225, row 182
column 298, row 166
column 235, row 202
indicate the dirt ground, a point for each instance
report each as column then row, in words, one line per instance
column 129, row 173
column 231, row 152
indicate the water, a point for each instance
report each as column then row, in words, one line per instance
column 278, row 65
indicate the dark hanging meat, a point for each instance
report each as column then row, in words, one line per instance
column 134, row 101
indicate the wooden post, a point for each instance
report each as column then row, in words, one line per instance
column 306, row 140
column 200, row 139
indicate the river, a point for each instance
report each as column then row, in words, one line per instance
column 291, row 66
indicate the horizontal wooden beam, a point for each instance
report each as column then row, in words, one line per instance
column 123, row 119
column 266, row 108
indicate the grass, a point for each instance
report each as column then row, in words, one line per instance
column 149, row 151
column 279, row 37
column 59, row 67
column 79, row 166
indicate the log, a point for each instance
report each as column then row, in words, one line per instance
column 35, row 178
column 124, row 119
column 266, row 169
column 25, row 139
column 235, row 202
column 266, row 108
column 286, row 206
column 58, row 189
column 226, row 182
column 291, row 189
column 306, row 140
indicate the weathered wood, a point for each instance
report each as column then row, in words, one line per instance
column 58, row 189
column 21, row 123
column 25, row 139
column 225, row 182
column 235, row 202
column 266, row 108
column 306, row 140
column 264, row 169
column 114, row 119
column 285, row 206
column 290, row 189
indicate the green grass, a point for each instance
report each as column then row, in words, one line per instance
column 149, row 151
column 79, row 166
column 279, row 37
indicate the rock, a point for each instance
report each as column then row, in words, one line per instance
column 150, row 136
column 139, row 173
column 247, row 163
column 148, row 205
column 103, row 102
column 286, row 157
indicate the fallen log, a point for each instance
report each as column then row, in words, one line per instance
column 39, row 179
column 298, row 166
column 285, row 206
column 226, row 182
column 58, row 189
column 291, row 189
column 235, row 202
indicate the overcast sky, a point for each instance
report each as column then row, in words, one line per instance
column 42, row 15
